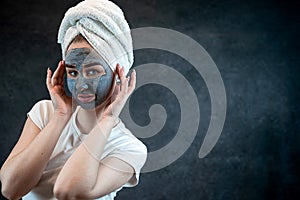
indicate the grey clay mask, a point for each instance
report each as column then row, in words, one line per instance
column 88, row 77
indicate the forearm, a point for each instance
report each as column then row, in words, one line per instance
column 79, row 174
column 22, row 172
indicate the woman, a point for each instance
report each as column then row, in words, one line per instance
column 74, row 146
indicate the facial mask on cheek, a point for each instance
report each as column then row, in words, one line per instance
column 103, row 87
column 88, row 92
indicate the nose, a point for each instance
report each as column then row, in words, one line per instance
column 81, row 84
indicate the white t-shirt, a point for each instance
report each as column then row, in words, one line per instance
column 121, row 144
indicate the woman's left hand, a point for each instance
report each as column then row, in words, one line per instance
column 121, row 93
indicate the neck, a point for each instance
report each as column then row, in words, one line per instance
column 87, row 119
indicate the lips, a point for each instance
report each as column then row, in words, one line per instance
column 86, row 98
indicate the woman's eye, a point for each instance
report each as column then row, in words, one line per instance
column 73, row 73
column 93, row 73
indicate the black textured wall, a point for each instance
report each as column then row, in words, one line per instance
column 255, row 45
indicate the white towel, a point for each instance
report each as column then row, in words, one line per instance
column 103, row 25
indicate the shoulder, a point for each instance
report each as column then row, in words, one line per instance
column 124, row 138
column 45, row 103
column 41, row 112
column 125, row 146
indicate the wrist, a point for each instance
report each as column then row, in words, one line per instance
column 58, row 122
column 61, row 116
column 111, row 119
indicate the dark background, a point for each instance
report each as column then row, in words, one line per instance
column 255, row 45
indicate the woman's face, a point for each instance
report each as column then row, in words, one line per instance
column 89, row 79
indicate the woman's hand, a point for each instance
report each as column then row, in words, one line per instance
column 55, row 84
column 121, row 93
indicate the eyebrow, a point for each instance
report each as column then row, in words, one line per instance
column 92, row 64
column 85, row 65
column 70, row 65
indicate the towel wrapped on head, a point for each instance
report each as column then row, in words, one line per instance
column 103, row 25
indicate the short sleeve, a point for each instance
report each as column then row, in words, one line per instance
column 129, row 149
column 41, row 112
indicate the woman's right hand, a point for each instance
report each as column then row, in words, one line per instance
column 55, row 84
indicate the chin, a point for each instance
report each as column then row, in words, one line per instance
column 92, row 105
column 87, row 106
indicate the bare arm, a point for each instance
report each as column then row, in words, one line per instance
column 83, row 176
column 25, row 164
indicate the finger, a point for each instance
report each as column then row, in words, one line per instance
column 54, row 79
column 117, row 89
column 62, row 70
column 132, row 82
column 124, row 80
column 48, row 79
column 116, row 74
column 116, row 92
column 117, row 69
